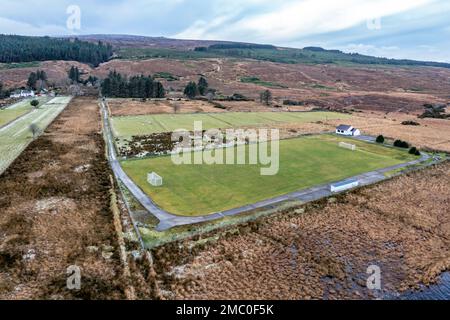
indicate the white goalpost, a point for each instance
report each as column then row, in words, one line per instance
column 154, row 179
column 346, row 145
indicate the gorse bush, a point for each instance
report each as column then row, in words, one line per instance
column 401, row 144
column 414, row 151
column 380, row 139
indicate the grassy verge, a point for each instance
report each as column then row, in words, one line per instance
column 262, row 83
column 33, row 64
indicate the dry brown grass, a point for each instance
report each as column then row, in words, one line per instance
column 56, row 73
column 432, row 133
column 55, row 204
column 362, row 87
column 402, row 225
column 367, row 88
column 130, row 107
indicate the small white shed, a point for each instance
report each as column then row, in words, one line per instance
column 344, row 185
column 154, row 179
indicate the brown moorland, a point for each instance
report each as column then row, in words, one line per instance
column 382, row 88
column 56, row 72
column 363, row 87
column 55, row 212
column 323, row 250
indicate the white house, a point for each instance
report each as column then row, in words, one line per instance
column 22, row 94
column 346, row 130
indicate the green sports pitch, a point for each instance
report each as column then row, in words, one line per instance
column 124, row 127
column 194, row 190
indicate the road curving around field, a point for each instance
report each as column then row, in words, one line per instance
column 169, row 220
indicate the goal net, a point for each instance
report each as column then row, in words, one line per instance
column 347, row 146
column 154, row 179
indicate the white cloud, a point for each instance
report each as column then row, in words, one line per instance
column 371, row 50
column 419, row 52
column 9, row 26
column 299, row 18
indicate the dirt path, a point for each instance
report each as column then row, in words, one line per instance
column 55, row 213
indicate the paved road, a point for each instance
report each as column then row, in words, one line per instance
column 168, row 220
column 365, row 138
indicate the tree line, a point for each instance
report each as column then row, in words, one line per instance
column 26, row 49
column 37, row 80
column 193, row 89
column 3, row 93
column 224, row 46
column 119, row 86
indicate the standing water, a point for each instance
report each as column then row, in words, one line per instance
column 438, row 291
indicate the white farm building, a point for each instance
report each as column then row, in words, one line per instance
column 346, row 130
column 22, row 94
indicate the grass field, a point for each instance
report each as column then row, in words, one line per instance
column 17, row 110
column 260, row 82
column 141, row 125
column 193, row 190
column 16, row 137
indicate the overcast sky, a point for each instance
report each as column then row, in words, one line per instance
column 415, row 29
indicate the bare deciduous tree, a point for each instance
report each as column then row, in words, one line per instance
column 176, row 107
column 35, row 130
column 210, row 96
column 266, row 97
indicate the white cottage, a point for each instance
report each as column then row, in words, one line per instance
column 346, row 130
column 22, row 94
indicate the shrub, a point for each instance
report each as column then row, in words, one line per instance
column 401, row 144
column 34, row 103
column 293, row 103
column 380, row 139
column 414, row 151
column 191, row 90
column 410, row 123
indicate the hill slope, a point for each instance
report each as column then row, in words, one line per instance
column 140, row 47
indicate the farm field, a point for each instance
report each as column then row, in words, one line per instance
column 55, row 201
column 193, row 190
column 134, row 107
column 17, row 136
column 124, row 127
column 17, row 110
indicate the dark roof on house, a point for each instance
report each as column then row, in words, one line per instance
column 343, row 127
